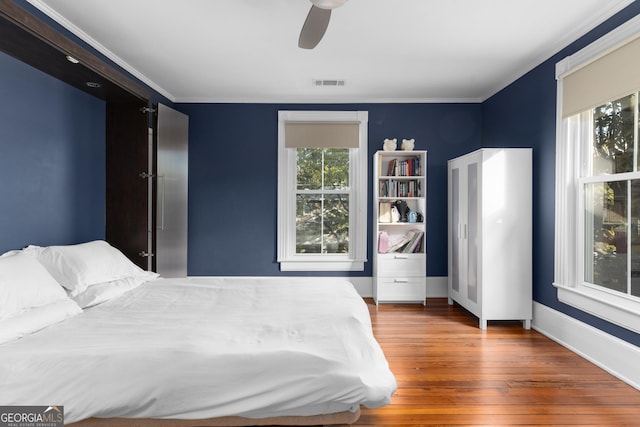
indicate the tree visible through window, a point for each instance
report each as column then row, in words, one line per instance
column 612, row 201
column 322, row 201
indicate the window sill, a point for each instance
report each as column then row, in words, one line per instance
column 326, row 265
column 616, row 309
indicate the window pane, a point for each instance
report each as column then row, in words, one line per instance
column 605, row 229
column 322, row 226
column 322, row 220
column 613, row 130
column 336, row 224
column 308, row 224
column 336, row 169
column 309, row 168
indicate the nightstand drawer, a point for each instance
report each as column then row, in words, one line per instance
column 399, row 264
column 401, row 289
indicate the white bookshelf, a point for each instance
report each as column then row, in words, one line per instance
column 400, row 275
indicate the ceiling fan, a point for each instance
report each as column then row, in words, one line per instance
column 317, row 21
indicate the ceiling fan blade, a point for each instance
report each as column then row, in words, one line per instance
column 314, row 27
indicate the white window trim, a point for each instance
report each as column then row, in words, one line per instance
column 357, row 256
column 612, row 307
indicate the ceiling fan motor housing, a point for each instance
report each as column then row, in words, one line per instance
column 328, row 4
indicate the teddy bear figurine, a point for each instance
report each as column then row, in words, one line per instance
column 390, row 144
column 408, row 144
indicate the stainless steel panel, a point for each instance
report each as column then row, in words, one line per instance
column 172, row 194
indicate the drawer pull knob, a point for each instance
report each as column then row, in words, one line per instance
column 401, row 280
column 401, row 257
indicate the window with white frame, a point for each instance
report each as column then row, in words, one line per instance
column 597, row 243
column 322, row 190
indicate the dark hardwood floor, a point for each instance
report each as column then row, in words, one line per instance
column 449, row 372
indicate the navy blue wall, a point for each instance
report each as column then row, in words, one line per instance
column 233, row 152
column 524, row 115
column 52, row 160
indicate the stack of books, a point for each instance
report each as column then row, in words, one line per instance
column 409, row 167
column 411, row 242
column 394, row 188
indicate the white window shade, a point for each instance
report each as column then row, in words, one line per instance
column 611, row 76
column 322, row 135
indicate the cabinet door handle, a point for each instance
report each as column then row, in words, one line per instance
column 400, row 257
column 462, row 231
column 400, row 280
column 160, row 206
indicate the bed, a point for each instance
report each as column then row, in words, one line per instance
column 183, row 352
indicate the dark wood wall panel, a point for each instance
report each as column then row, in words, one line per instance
column 127, row 192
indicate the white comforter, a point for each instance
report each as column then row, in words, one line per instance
column 200, row 348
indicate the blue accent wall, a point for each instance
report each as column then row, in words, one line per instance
column 524, row 115
column 52, row 160
column 233, row 151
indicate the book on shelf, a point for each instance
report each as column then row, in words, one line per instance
column 396, row 188
column 398, row 244
column 415, row 244
column 391, row 170
column 384, row 189
column 384, row 212
column 383, row 242
column 410, row 242
column 407, row 167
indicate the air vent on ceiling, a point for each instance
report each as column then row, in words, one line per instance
column 328, row 82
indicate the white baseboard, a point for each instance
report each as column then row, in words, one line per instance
column 364, row 285
column 437, row 287
column 612, row 354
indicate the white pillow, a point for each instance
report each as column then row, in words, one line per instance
column 10, row 253
column 103, row 292
column 77, row 267
column 37, row 318
column 25, row 284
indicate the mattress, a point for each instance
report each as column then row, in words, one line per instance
column 204, row 348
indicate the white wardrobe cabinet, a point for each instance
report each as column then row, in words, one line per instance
column 490, row 234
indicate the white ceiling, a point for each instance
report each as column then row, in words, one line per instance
column 386, row 50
